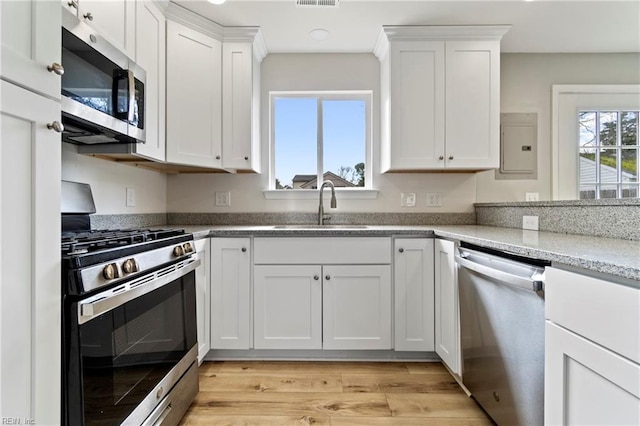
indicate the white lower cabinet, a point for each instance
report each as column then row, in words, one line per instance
column 30, row 296
column 587, row 384
column 413, row 281
column 203, row 286
column 447, row 329
column 356, row 307
column 287, row 307
column 230, row 293
column 592, row 349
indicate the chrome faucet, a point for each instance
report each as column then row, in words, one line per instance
column 334, row 202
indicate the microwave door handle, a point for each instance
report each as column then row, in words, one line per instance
column 119, row 75
column 132, row 95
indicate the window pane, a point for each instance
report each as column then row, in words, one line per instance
column 608, row 128
column 588, row 165
column 629, row 165
column 609, row 191
column 587, row 130
column 587, row 192
column 629, row 123
column 608, row 165
column 344, row 141
column 295, row 142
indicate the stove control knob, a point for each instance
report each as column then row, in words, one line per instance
column 178, row 251
column 129, row 266
column 188, row 248
column 110, row 271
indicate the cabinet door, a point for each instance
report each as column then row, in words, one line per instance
column 287, row 307
column 446, row 305
column 30, row 299
column 230, row 293
column 356, row 307
column 113, row 19
column 413, row 273
column 417, row 105
column 194, row 98
column 150, row 55
column 31, row 40
column 203, row 298
column 587, row 384
column 472, row 104
column 239, row 106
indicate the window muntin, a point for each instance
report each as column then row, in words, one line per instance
column 608, row 154
column 320, row 136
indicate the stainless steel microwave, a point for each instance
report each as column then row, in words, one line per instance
column 103, row 91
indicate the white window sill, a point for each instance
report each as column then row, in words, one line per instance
column 312, row 194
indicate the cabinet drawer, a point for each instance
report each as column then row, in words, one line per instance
column 605, row 312
column 322, row 250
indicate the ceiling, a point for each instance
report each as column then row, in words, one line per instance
column 354, row 26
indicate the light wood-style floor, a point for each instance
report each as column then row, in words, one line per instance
column 331, row 393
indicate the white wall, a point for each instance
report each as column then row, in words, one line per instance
column 526, row 81
column 109, row 181
column 195, row 193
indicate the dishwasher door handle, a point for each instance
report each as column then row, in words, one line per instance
column 530, row 284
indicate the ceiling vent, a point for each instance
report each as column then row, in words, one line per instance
column 317, row 3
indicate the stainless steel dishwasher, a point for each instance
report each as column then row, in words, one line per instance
column 502, row 334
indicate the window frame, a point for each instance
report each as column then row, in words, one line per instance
column 567, row 100
column 366, row 191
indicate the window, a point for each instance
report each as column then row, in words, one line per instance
column 608, row 150
column 320, row 136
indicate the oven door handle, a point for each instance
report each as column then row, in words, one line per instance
column 107, row 300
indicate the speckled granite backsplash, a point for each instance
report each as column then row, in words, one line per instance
column 311, row 218
column 124, row 221
column 600, row 218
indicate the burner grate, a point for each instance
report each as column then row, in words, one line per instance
column 81, row 242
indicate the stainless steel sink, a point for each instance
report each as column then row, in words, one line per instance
column 314, row 227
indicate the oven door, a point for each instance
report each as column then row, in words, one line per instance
column 128, row 346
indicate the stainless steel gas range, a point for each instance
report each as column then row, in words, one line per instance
column 129, row 322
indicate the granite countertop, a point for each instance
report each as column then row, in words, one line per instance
column 606, row 255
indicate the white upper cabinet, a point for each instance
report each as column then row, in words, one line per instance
column 194, row 98
column 440, row 97
column 31, row 40
column 151, row 56
column 242, row 52
column 115, row 20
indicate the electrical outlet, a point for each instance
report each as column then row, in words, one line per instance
column 223, row 198
column 407, row 199
column 530, row 222
column 434, row 199
column 131, row 197
column 532, row 196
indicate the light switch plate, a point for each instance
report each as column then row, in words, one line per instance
column 530, row 222
column 131, row 197
column 407, row 199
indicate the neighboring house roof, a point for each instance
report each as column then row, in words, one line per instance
column 311, row 181
column 607, row 173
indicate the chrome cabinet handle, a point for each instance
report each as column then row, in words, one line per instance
column 55, row 68
column 327, row 277
column 451, row 157
column 88, row 16
column 55, row 126
column 315, row 277
column 246, row 158
column 243, row 249
column 441, row 157
column 73, row 4
column 218, row 157
column 401, row 250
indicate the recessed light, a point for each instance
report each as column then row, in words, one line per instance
column 216, row 1
column 319, row 34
